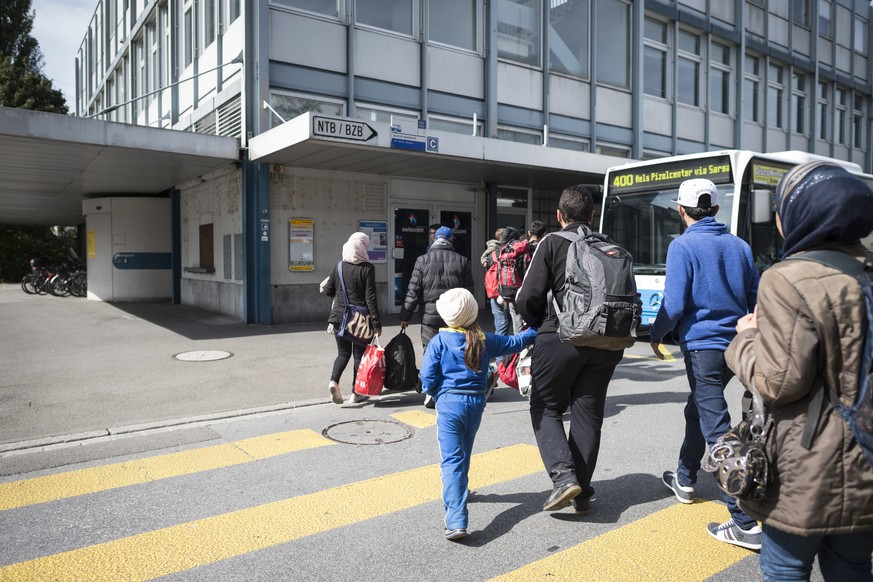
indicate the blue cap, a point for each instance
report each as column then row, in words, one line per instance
column 443, row 232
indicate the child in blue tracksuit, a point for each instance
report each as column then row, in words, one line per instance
column 453, row 373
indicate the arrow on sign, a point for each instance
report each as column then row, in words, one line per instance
column 342, row 129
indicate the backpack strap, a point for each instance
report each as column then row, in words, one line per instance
column 339, row 270
column 850, row 266
column 572, row 237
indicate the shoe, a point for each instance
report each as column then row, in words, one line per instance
column 682, row 493
column 356, row 398
column 561, row 496
column 429, row 402
column 730, row 533
column 335, row 393
column 581, row 505
column 454, row 535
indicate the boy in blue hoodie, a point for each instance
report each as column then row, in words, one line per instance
column 711, row 282
column 453, row 373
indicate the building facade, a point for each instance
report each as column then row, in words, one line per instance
column 591, row 81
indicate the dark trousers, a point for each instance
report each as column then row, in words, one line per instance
column 566, row 376
column 427, row 334
column 344, row 351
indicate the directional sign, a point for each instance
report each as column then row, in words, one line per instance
column 342, row 129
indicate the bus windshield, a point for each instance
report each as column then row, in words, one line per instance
column 644, row 223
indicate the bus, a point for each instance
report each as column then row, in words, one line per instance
column 639, row 212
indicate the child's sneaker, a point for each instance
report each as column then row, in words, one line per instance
column 731, row 533
column 455, row 534
column 335, row 393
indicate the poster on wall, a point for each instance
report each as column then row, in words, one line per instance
column 377, row 230
column 301, row 256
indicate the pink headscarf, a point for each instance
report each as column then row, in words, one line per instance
column 355, row 249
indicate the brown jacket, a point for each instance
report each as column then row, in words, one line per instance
column 811, row 321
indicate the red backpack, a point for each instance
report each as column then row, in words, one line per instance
column 512, row 262
column 491, row 278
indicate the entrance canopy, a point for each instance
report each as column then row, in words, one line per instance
column 49, row 163
column 316, row 141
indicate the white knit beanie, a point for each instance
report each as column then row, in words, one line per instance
column 458, row 307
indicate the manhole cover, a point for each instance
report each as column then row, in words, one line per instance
column 203, row 356
column 368, row 432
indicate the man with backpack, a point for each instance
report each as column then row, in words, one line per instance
column 804, row 348
column 565, row 375
column 710, row 283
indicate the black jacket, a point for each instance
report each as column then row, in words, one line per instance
column 360, row 283
column 545, row 273
column 435, row 272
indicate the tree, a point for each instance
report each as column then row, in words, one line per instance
column 22, row 83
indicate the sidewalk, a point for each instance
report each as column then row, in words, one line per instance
column 76, row 369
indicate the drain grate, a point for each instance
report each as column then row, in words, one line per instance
column 368, row 432
column 203, row 356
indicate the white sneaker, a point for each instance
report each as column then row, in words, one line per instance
column 429, row 402
column 730, row 533
column 356, row 398
column 335, row 395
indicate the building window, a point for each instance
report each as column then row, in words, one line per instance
column 188, row 41
column 858, row 123
column 518, row 30
column 720, row 79
column 568, row 43
column 751, row 89
column 798, row 96
column 325, row 7
column 454, row 22
column 841, row 116
column 800, row 12
column 154, row 64
column 290, row 106
column 464, row 127
column 823, row 94
column 655, row 57
column 233, row 11
column 210, row 22
column 824, row 18
column 613, row 150
column 688, row 74
column 394, row 15
column 613, row 39
column 860, row 42
column 519, row 135
column 775, row 96
column 408, row 120
column 566, row 142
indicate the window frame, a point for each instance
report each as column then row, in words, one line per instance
column 722, row 68
column 696, row 59
column 662, row 47
column 822, row 98
column 799, row 97
column 826, row 20
column 776, row 95
column 753, row 80
column 841, row 117
column 414, row 20
column 536, row 44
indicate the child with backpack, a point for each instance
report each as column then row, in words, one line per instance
column 453, row 373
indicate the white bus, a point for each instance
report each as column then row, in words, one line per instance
column 639, row 213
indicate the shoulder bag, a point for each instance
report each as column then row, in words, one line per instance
column 356, row 325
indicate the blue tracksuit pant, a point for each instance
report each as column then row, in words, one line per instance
column 458, row 419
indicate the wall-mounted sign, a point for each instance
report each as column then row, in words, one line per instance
column 301, row 234
column 377, row 230
column 345, row 129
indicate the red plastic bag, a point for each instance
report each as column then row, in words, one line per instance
column 371, row 373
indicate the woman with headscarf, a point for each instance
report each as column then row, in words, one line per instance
column 809, row 324
column 359, row 276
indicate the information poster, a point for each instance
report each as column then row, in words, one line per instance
column 301, row 256
column 377, row 230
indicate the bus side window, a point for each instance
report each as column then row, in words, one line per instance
column 764, row 237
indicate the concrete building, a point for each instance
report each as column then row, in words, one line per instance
column 389, row 115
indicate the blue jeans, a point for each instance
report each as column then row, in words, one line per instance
column 843, row 558
column 458, row 420
column 706, row 419
column 501, row 324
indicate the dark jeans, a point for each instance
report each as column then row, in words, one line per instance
column 706, row 419
column 842, row 558
column 344, row 350
column 427, row 334
column 566, row 376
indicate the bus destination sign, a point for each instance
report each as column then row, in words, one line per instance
column 768, row 174
column 669, row 175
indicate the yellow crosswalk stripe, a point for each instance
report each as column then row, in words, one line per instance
column 188, row 545
column 643, row 550
column 94, row 479
column 416, row 418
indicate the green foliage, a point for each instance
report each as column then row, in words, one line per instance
column 22, row 83
column 19, row 244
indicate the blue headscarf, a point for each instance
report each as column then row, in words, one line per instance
column 820, row 203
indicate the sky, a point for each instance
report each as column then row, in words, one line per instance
column 59, row 26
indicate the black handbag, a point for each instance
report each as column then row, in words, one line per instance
column 741, row 459
column 356, row 325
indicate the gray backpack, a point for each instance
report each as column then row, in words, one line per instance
column 601, row 305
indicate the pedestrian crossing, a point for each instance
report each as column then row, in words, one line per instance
column 644, row 548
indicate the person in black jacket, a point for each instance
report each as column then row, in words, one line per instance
column 564, row 375
column 359, row 276
column 441, row 268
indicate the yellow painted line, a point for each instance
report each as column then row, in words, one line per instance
column 175, row 549
column 669, row 545
column 668, row 357
column 416, row 418
column 94, row 479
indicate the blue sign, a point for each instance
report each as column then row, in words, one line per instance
column 433, row 144
column 142, row 260
column 422, row 124
column 407, row 144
